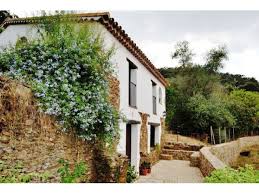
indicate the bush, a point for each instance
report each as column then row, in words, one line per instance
column 71, row 176
column 245, row 174
column 67, row 68
column 131, row 174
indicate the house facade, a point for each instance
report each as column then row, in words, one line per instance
column 141, row 88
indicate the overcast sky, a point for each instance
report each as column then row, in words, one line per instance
column 156, row 33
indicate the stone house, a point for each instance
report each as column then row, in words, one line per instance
column 138, row 87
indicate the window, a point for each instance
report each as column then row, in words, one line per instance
column 160, row 95
column 154, row 97
column 152, row 136
column 132, row 84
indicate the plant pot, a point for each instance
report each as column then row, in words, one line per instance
column 143, row 171
column 148, row 170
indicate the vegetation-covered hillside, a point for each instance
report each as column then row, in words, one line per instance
column 200, row 97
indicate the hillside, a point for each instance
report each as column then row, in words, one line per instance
column 230, row 80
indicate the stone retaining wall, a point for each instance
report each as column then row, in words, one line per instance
column 35, row 139
column 222, row 155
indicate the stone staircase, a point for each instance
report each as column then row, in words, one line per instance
column 178, row 151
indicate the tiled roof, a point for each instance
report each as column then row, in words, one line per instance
column 112, row 26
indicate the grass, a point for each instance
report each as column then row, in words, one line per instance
column 252, row 159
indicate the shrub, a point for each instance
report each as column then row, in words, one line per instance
column 1, row 30
column 71, row 176
column 245, row 174
column 131, row 174
column 67, row 68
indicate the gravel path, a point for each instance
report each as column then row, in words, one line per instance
column 172, row 171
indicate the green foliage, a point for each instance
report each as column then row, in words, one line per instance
column 71, row 176
column 146, row 164
column 183, row 53
column 187, row 87
column 245, row 174
column 244, row 105
column 67, row 68
column 214, row 59
column 131, row 174
column 198, row 95
column 1, row 30
column 239, row 82
column 15, row 174
column 209, row 112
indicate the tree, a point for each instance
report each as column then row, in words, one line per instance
column 199, row 96
column 244, row 105
column 210, row 112
column 215, row 58
column 183, row 53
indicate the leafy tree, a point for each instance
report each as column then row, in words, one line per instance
column 188, row 82
column 198, row 95
column 214, row 59
column 183, row 53
column 209, row 112
column 244, row 106
column 239, row 82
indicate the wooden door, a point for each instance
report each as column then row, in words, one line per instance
column 128, row 141
column 152, row 136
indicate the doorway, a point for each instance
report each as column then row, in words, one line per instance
column 128, row 141
column 152, row 136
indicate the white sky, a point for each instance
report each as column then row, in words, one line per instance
column 156, row 33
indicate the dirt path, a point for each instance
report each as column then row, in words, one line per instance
column 182, row 139
column 172, row 171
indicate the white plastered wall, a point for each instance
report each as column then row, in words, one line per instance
column 135, row 146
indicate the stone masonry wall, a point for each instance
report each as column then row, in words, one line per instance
column 222, row 155
column 35, row 139
column 228, row 152
column 114, row 87
column 143, row 133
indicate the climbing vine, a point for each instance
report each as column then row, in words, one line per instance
column 67, row 68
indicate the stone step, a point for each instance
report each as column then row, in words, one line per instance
column 178, row 154
column 177, row 146
column 170, row 151
column 166, row 157
column 195, row 159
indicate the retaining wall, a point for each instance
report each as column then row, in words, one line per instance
column 222, row 155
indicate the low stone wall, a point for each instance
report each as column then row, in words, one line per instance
column 195, row 159
column 209, row 162
column 222, row 155
column 228, row 152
